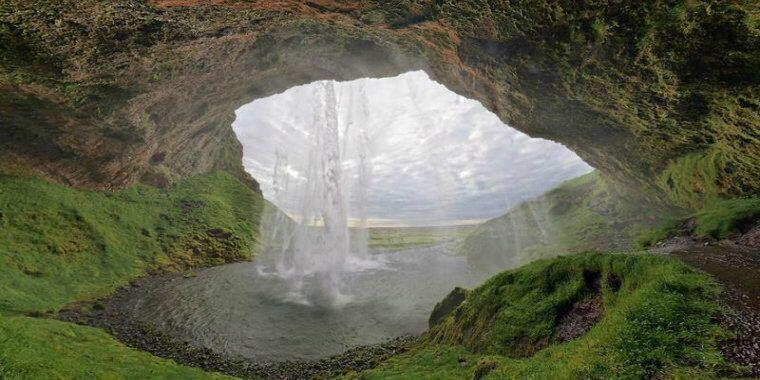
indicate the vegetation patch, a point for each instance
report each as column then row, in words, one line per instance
column 647, row 236
column 582, row 214
column 60, row 245
column 719, row 219
column 724, row 217
column 32, row 348
column 658, row 320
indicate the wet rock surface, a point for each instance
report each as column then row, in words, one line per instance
column 750, row 239
column 747, row 238
column 106, row 314
column 744, row 323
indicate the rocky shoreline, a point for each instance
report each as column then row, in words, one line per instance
column 733, row 263
column 107, row 314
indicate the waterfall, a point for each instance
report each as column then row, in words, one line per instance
column 540, row 218
column 516, row 234
column 321, row 247
column 358, row 102
column 275, row 230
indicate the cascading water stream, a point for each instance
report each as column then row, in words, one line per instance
column 358, row 110
column 540, row 218
column 321, row 247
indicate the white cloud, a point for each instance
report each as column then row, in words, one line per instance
column 435, row 156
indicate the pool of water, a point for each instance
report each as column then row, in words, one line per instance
column 244, row 310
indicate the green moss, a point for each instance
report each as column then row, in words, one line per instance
column 646, row 236
column 658, row 322
column 33, row 348
column 599, row 29
column 692, row 180
column 724, row 217
column 59, row 245
column 428, row 363
column 719, row 219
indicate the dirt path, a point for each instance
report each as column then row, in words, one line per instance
column 737, row 268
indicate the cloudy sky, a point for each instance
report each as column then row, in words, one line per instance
column 435, row 157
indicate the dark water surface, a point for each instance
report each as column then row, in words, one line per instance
column 240, row 310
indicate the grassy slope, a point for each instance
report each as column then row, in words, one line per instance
column 579, row 215
column 60, row 245
column 720, row 219
column 32, row 348
column 585, row 214
column 659, row 323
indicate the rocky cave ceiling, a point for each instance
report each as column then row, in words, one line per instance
column 103, row 94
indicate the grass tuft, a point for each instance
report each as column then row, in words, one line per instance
column 719, row 219
column 723, row 217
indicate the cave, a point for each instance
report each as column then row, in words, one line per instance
column 121, row 172
column 551, row 71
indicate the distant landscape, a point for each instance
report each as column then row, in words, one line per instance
column 400, row 238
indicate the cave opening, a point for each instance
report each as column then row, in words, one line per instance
column 118, row 158
column 433, row 157
column 372, row 185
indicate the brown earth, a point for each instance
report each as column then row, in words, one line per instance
column 580, row 319
column 585, row 313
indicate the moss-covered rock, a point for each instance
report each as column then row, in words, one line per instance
column 659, row 320
column 659, row 94
column 447, row 305
column 718, row 219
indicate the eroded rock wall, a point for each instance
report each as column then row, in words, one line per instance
column 658, row 94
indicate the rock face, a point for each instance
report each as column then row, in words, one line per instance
column 660, row 94
column 447, row 305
